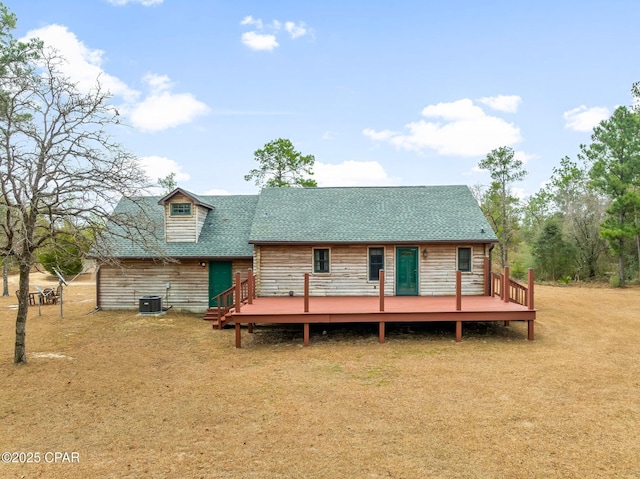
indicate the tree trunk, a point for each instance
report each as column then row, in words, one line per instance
column 638, row 249
column 621, row 261
column 505, row 234
column 5, row 278
column 20, row 353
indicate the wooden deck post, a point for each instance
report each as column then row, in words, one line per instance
column 381, row 332
column 487, row 276
column 530, row 289
column 381, row 290
column 238, row 292
column 505, row 285
column 530, row 329
column 306, row 292
column 250, row 285
column 458, row 290
column 458, row 331
column 306, row 334
column 238, row 340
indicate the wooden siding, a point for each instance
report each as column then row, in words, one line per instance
column 180, row 229
column 438, row 271
column 241, row 266
column 280, row 269
column 201, row 216
column 121, row 288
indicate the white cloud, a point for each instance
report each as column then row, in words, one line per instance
column 585, row 119
column 328, row 135
column 457, row 110
column 352, row 173
column 259, row 41
column 523, row 157
column 217, row 192
column 249, row 20
column 146, row 3
column 81, row 64
column 295, row 30
column 162, row 109
column 519, row 193
column 378, row 135
column 461, row 129
column 159, row 110
column 506, row 103
column 160, row 166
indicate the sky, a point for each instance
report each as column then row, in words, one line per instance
column 381, row 93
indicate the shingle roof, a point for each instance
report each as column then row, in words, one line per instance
column 225, row 232
column 197, row 199
column 369, row 215
column 412, row 214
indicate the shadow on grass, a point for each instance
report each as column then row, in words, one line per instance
column 282, row 334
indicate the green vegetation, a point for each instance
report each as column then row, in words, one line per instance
column 282, row 166
column 585, row 222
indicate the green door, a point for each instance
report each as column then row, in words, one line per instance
column 220, row 279
column 407, row 271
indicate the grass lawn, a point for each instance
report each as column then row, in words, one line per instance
column 145, row 397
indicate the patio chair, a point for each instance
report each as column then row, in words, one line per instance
column 49, row 296
column 32, row 297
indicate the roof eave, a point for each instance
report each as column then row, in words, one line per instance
column 363, row 242
column 191, row 196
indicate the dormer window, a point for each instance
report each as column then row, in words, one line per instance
column 184, row 216
column 180, row 209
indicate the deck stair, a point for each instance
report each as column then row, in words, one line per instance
column 230, row 300
column 217, row 323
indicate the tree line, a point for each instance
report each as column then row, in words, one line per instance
column 584, row 223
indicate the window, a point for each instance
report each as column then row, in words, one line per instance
column 180, row 209
column 321, row 260
column 464, row 259
column 376, row 263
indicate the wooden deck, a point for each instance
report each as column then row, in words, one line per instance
column 397, row 309
column 504, row 300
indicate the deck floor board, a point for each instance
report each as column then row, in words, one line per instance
column 350, row 309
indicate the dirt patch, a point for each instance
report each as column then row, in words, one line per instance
column 170, row 397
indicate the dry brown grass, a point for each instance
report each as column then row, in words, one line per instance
column 169, row 397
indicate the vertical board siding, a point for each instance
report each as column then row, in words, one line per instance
column 122, row 287
column 280, row 269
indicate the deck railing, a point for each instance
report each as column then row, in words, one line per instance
column 233, row 297
column 513, row 291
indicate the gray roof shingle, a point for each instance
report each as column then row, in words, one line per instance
column 225, row 232
column 369, row 215
column 412, row 214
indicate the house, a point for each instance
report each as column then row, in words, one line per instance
column 192, row 248
column 343, row 237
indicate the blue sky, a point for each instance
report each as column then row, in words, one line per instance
column 381, row 93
